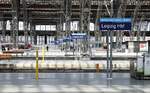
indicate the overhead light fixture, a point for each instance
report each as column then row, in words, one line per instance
column 111, row 1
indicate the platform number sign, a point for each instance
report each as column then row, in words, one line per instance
column 114, row 24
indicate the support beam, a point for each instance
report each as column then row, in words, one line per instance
column 59, row 26
column 98, row 33
column 15, row 15
column 85, row 6
column 3, row 26
column 32, row 29
column 138, row 35
column 4, row 31
column 67, row 12
column 34, row 33
column 45, row 38
column 135, row 15
column 121, row 11
column 25, row 20
column 35, row 39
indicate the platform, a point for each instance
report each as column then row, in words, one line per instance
column 71, row 83
column 61, row 55
column 57, row 52
column 61, row 65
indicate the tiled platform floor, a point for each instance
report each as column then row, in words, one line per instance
column 71, row 83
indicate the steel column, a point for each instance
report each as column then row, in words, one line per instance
column 4, row 31
column 120, row 10
column 15, row 15
column 135, row 15
column 25, row 21
column 85, row 6
column 32, row 28
column 98, row 34
column 34, row 34
column 67, row 12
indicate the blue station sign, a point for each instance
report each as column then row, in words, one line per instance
column 115, row 23
column 78, row 35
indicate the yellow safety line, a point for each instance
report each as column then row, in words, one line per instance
column 37, row 67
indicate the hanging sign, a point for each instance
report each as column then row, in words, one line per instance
column 115, row 23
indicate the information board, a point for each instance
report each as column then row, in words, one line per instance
column 147, row 65
column 56, row 42
column 67, row 39
column 115, row 23
column 143, row 47
column 78, row 35
column 140, row 64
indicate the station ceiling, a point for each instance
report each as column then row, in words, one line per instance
column 50, row 11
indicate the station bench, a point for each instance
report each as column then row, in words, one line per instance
column 14, row 52
column 5, row 56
